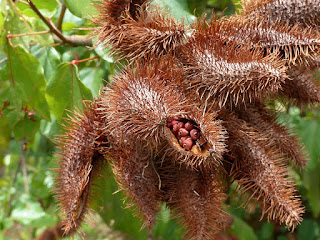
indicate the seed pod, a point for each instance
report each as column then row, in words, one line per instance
column 183, row 132
column 195, row 134
column 188, row 126
column 187, row 143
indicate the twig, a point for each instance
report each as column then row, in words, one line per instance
column 24, row 167
column 51, row 26
column 83, row 60
column 60, row 19
column 27, row 34
column 76, row 40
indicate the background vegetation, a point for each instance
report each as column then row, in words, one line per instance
column 46, row 67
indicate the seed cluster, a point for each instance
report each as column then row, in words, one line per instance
column 186, row 132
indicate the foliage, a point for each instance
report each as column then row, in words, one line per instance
column 42, row 76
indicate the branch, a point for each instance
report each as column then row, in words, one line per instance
column 76, row 40
column 51, row 26
column 60, row 19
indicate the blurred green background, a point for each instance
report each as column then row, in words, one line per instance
column 41, row 77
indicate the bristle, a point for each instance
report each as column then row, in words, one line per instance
column 225, row 74
column 261, row 171
column 279, row 137
column 197, row 197
column 294, row 44
column 141, row 99
column 148, row 33
column 137, row 176
column 306, row 12
column 301, row 86
column 79, row 161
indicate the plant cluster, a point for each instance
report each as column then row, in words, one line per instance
column 187, row 116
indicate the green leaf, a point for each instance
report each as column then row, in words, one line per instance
column 26, row 210
column 65, row 90
column 28, row 80
column 39, row 26
column 242, row 230
column 47, row 8
column 177, row 8
column 309, row 229
column 26, row 128
column 81, row 8
column 14, row 25
column 92, row 78
column 49, row 59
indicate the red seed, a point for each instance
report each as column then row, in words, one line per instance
column 175, row 128
column 181, row 140
column 195, row 134
column 188, row 126
column 176, row 118
column 174, row 122
column 181, row 125
column 187, row 143
column 183, row 132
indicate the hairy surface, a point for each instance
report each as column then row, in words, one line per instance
column 187, row 116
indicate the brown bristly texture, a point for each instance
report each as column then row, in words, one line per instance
column 294, row 44
column 196, row 197
column 261, row 171
column 80, row 160
column 301, row 86
column 147, row 33
column 279, row 136
column 212, row 132
column 140, row 100
column 52, row 233
column 224, row 74
column 136, row 175
column 306, row 12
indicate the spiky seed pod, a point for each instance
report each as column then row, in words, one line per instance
column 141, row 99
column 137, row 176
column 80, row 161
column 301, row 86
column 147, row 33
column 197, row 197
column 279, row 136
column 209, row 153
column 225, row 74
column 294, row 44
column 306, row 12
column 261, row 171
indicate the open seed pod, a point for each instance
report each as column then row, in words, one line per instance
column 198, row 139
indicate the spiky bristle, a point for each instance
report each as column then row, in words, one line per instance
column 79, row 161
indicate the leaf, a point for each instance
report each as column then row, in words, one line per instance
column 47, row 8
column 242, row 230
column 309, row 229
column 65, row 90
column 43, row 39
column 81, row 8
column 14, row 25
column 48, row 57
column 27, row 80
column 113, row 211
column 177, row 8
column 92, row 78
